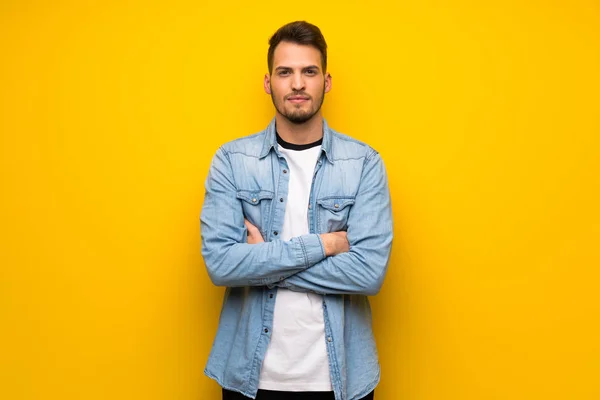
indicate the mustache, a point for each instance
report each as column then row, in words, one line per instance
column 303, row 94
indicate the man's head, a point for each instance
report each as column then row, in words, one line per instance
column 297, row 80
column 302, row 33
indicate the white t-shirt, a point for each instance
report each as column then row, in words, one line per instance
column 296, row 358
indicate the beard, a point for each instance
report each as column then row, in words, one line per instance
column 298, row 116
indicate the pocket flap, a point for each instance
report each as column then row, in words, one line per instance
column 254, row 196
column 336, row 203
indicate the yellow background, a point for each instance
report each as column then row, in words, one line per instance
column 487, row 115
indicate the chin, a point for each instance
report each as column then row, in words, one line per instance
column 300, row 119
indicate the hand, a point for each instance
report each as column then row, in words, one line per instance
column 335, row 243
column 254, row 235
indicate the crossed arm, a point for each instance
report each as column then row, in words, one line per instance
column 333, row 243
column 331, row 263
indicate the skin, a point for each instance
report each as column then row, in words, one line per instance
column 333, row 242
column 297, row 87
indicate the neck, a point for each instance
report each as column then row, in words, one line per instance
column 305, row 133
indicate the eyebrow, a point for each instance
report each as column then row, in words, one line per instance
column 305, row 68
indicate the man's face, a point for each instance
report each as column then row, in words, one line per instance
column 297, row 84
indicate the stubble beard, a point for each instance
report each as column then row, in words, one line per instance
column 298, row 116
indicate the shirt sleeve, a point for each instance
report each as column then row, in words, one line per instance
column 370, row 234
column 229, row 260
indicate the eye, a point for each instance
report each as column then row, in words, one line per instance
column 311, row 71
column 283, row 72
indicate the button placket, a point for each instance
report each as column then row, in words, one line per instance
column 281, row 193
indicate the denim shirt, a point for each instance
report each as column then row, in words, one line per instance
column 248, row 178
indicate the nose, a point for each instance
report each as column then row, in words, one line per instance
column 298, row 82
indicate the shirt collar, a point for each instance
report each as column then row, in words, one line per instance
column 271, row 140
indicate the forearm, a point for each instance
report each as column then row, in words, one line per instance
column 232, row 263
column 362, row 269
column 229, row 260
column 358, row 271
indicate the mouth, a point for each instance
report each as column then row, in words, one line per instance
column 297, row 99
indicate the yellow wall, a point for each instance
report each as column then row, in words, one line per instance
column 486, row 113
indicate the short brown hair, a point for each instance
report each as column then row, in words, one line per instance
column 299, row 32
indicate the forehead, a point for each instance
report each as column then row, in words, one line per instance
column 295, row 55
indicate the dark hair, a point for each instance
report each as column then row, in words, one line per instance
column 299, row 32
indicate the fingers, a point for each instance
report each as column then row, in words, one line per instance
column 249, row 226
column 254, row 235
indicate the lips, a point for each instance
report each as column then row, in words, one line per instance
column 298, row 99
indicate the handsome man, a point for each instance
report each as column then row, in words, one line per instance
column 297, row 224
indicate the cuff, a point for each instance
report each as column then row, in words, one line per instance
column 312, row 249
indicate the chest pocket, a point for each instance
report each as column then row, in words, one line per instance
column 332, row 213
column 256, row 205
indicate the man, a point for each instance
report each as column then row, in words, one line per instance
column 297, row 224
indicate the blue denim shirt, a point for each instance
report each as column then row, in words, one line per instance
column 249, row 178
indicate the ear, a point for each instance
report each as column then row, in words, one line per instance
column 327, row 82
column 267, row 84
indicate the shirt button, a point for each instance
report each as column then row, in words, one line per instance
column 309, row 206
column 281, row 199
column 254, row 200
column 270, row 295
column 329, row 338
column 266, row 330
column 275, row 233
column 336, row 205
column 285, row 171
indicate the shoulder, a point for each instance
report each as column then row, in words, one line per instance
column 250, row 145
column 346, row 147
